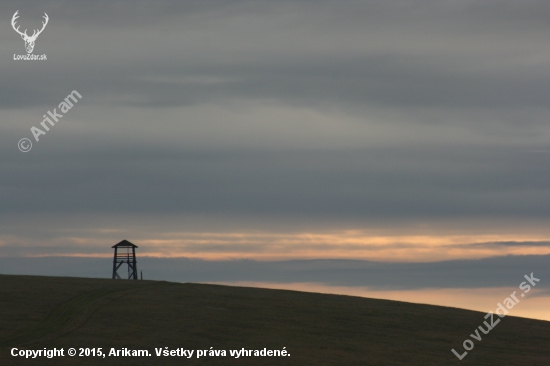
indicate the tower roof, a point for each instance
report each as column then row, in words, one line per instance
column 124, row 244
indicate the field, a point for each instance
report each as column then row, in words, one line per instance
column 316, row 329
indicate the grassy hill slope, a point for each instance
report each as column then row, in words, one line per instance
column 316, row 329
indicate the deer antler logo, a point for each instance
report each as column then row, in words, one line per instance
column 29, row 41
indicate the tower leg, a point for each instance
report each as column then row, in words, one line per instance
column 114, row 265
column 134, row 264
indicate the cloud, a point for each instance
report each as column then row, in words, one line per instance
column 396, row 54
column 341, row 113
column 367, row 183
column 513, row 244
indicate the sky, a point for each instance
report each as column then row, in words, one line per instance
column 402, row 133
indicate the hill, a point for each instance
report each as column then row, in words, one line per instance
column 40, row 313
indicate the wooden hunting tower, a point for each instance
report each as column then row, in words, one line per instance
column 125, row 252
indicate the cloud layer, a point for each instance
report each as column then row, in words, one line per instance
column 339, row 114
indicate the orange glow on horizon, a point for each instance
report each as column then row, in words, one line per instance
column 532, row 306
column 350, row 244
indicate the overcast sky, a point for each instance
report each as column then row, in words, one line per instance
column 386, row 130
